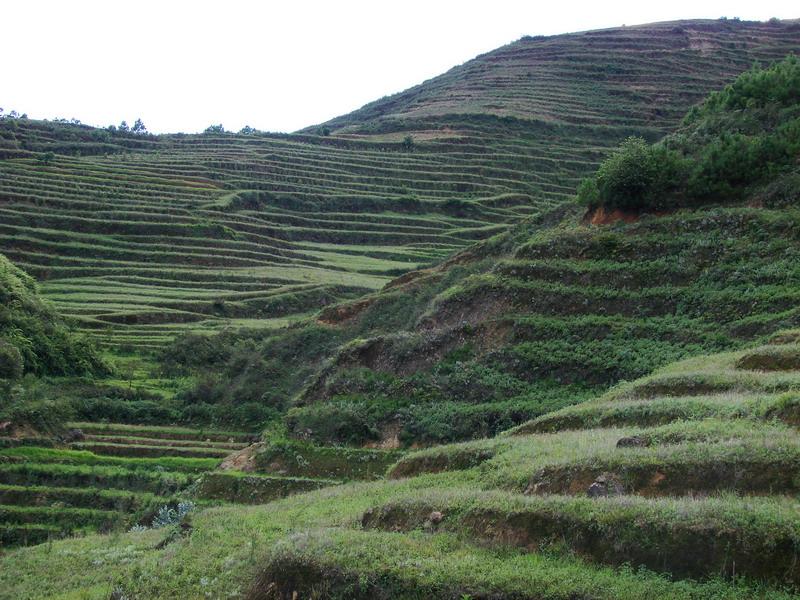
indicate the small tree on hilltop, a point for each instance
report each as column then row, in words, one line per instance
column 139, row 127
column 215, row 129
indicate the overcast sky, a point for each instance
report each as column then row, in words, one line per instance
column 280, row 65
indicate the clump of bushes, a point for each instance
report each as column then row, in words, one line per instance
column 33, row 338
column 637, row 175
column 729, row 147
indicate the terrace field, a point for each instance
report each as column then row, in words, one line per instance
column 143, row 237
column 481, row 367
column 698, row 504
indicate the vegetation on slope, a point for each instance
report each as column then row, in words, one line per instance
column 33, row 338
column 694, row 508
column 140, row 237
column 543, row 317
column 728, row 148
column 540, row 317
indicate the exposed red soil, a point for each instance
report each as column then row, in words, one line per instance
column 604, row 216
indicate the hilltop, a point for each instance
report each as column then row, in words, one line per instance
column 640, row 77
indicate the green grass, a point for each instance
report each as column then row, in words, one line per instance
column 665, row 409
column 298, row 459
column 683, row 537
column 248, row 488
column 178, row 433
column 107, row 499
column 152, row 451
column 141, row 478
column 85, row 458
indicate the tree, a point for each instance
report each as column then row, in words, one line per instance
column 215, row 129
column 47, row 158
column 124, row 127
column 408, row 142
column 139, row 127
column 247, row 130
column 11, row 361
column 635, row 176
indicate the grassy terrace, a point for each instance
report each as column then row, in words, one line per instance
column 203, row 231
column 118, row 475
column 696, row 507
column 140, row 238
column 103, row 482
column 552, row 315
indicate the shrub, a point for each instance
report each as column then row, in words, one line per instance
column 636, row 176
column 740, row 138
column 11, row 361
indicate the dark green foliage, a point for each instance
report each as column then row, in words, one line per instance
column 636, row 176
column 464, row 401
column 242, row 378
column 738, row 139
column 33, row 338
column 11, row 363
column 758, row 88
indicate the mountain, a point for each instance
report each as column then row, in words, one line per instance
column 139, row 237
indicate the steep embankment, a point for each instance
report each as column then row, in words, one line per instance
column 140, row 237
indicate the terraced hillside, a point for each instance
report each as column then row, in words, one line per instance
column 547, row 315
column 644, row 76
column 234, row 230
column 689, row 473
column 559, row 309
column 109, row 478
column 140, row 237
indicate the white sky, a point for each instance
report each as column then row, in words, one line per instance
column 280, row 65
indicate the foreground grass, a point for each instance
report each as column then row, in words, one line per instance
column 231, row 546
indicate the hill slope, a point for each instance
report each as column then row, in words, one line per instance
column 644, row 76
column 549, row 313
column 140, row 237
column 694, row 495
